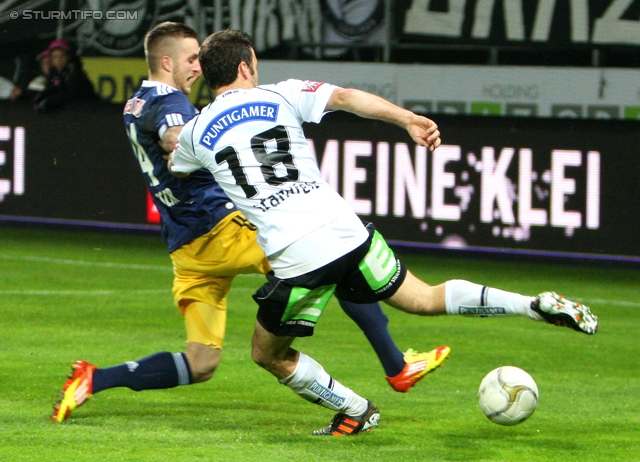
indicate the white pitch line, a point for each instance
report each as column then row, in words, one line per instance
column 235, row 289
column 87, row 263
column 602, row 301
column 82, row 292
column 103, row 264
column 169, row 268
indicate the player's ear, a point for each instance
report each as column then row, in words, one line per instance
column 167, row 63
column 244, row 70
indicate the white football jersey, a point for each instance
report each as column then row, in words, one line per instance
column 253, row 143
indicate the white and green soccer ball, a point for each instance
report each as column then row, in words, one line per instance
column 508, row 395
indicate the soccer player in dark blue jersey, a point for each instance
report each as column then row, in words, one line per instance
column 209, row 242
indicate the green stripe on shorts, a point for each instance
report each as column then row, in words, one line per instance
column 308, row 305
column 379, row 265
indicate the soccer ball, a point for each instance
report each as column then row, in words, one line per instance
column 508, row 395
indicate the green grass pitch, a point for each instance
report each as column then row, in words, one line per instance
column 106, row 298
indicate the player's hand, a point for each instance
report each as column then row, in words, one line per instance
column 424, row 132
column 170, row 167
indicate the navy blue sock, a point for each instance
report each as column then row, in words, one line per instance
column 159, row 370
column 373, row 322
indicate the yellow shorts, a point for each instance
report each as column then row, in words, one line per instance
column 204, row 270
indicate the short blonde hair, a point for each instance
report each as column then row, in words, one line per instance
column 157, row 42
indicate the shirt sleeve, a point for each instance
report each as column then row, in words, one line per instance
column 308, row 98
column 175, row 110
column 184, row 159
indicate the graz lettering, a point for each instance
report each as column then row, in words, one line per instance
column 544, row 24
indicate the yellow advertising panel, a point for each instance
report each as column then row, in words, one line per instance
column 525, row 91
column 116, row 79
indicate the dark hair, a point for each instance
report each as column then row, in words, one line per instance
column 155, row 41
column 221, row 54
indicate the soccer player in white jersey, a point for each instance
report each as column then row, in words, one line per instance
column 251, row 139
column 209, row 242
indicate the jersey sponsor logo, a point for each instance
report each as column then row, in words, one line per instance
column 308, row 304
column 134, row 106
column 260, row 110
column 311, row 86
column 325, row 394
column 379, row 266
column 482, row 311
column 300, row 322
column 279, row 197
column 392, row 281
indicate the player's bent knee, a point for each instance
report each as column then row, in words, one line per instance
column 203, row 372
column 271, row 361
column 261, row 357
column 202, row 375
column 203, row 361
column 272, row 352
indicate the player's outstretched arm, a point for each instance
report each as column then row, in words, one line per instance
column 423, row 131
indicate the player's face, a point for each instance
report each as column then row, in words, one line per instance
column 186, row 67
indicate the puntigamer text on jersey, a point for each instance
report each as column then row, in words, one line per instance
column 235, row 116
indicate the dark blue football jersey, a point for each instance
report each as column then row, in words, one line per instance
column 189, row 207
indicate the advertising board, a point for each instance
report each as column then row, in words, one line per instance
column 560, row 188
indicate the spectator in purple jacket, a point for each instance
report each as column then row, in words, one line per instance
column 66, row 82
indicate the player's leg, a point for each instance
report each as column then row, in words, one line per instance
column 201, row 298
column 154, row 372
column 369, row 317
column 459, row 297
column 374, row 324
column 308, row 379
column 157, row 371
column 290, row 308
column 383, row 273
column 403, row 370
column 203, row 361
column 205, row 326
column 204, row 270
